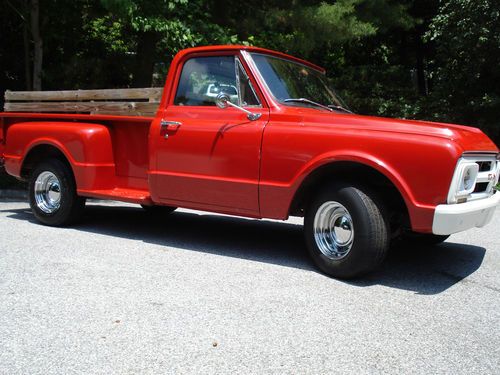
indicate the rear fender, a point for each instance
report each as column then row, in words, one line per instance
column 87, row 147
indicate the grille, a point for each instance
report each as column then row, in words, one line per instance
column 485, row 166
column 489, row 168
column 481, row 187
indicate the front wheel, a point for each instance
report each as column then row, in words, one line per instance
column 346, row 232
column 52, row 194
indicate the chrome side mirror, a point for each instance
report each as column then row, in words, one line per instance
column 222, row 101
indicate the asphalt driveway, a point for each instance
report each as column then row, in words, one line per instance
column 124, row 292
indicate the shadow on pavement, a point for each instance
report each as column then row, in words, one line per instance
column 429, row 270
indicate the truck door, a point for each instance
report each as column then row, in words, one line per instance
column 208, row 157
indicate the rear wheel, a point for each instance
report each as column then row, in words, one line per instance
column 52, row 194
column 346, row 231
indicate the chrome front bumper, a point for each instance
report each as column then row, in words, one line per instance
column 453, row 218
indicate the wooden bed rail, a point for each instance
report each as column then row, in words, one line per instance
column 129, row 102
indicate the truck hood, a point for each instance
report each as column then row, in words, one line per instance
column 466, row 137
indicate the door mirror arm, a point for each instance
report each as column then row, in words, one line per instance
column 222, row 101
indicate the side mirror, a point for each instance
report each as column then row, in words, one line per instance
column 222, row 101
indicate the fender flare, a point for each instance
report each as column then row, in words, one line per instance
column 356, row 157
column 87, row 147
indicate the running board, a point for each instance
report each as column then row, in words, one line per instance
column 119, row 194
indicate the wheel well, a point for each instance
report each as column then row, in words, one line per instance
column 38, row 154
column 358, row 174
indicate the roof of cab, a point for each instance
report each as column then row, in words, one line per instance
column 216, row 48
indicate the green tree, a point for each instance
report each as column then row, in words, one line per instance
column 465, row 69
column 378, row 74
column 152, row 30
column 305, row 27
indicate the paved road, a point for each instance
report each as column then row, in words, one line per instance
column 200, row 293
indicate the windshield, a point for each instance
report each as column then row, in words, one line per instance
column 289, row 80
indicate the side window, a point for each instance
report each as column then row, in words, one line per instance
column 247, row 93
column 203, row 78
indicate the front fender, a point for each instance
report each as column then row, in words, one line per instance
column 420, row 213
column 86, row 146
column 290, row 189
column 406, row 175
column 356, row 157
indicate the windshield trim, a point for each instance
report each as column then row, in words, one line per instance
column 249, row 55
column 312, row 67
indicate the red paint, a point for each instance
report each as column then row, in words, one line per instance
column 210, row 142
column 217, row 160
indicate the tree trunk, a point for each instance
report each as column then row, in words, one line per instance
column 27, row 57
column 420, row 57
column 37, row 45
column 145, row 58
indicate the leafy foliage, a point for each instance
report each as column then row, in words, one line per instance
column 466, row 34
column 304, row 28
column 405, row 58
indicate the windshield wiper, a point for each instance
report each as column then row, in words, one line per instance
column 339, row 108
column 304, row 100
column 330, row 107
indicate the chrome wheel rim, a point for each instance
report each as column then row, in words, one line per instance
column 47, row 192
column 333, row 230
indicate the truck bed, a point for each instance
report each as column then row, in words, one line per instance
column 129, row 138
column 126, row 113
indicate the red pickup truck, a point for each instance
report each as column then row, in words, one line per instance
column 252, row 132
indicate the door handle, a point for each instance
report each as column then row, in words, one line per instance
column 169, row 126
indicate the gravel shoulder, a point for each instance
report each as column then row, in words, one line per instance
column 194, row 292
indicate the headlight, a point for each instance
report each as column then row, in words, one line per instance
column 464, row 180
column 467, row 179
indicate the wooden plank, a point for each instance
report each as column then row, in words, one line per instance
column 149, row 93
column 109, row 108
column 126, row 108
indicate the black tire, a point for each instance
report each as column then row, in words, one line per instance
column 69, row 207
column 159, row 210
column 365, row 223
